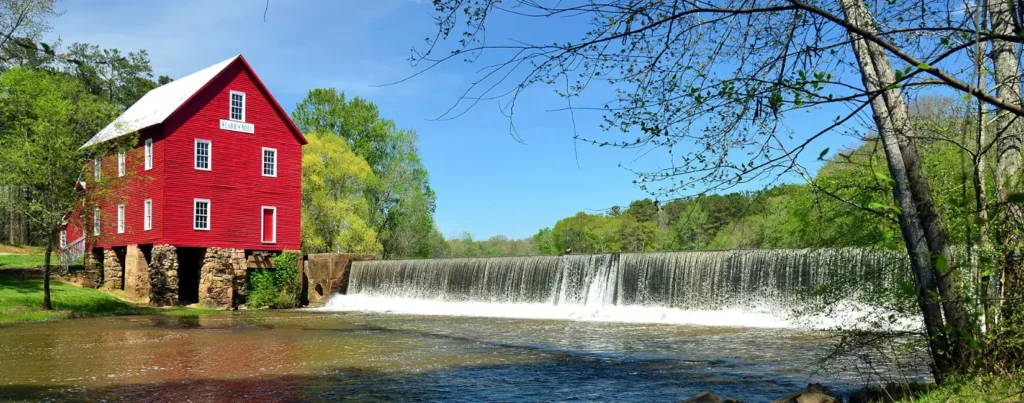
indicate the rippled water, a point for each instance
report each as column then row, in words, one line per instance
column 288, row 356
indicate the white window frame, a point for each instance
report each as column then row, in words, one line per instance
column 97, row 168
column 195, row 214
column 96, row 222
column 120, row 164
column 263, row 162
column 120, row 218
column 149, row 154
column 273, row 233
column 231, row 100
column 209, row 155
column 63, row 239
column 147, row 214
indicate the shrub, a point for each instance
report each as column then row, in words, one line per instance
column 275, row 288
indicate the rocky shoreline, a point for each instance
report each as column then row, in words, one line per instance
column 816, row 393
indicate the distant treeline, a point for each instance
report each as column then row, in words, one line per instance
column 846, row 203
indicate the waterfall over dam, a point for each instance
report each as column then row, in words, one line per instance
column 734, row 287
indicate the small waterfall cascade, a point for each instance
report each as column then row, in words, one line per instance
column 656, row 286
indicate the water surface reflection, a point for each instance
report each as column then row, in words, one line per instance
column 287, row 356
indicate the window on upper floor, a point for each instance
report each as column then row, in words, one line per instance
column 203, row 154
column 147, row 215
column 97, row 168
column 63, row 239
column 120, row 164
column 149, row 154
column 96, row 222
column 269, row 162
column 201, row 214
column 237, row 106
column 120, row 218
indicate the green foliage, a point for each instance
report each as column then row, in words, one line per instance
column 499, row 245
column 545, row 242
column 275, row 288
column 401, row 202
column 985, row 388
column 334, row 206
column 47, row 117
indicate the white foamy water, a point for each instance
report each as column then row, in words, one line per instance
column 745, row 288
column 625, row 314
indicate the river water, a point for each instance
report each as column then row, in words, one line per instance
column 303, row 355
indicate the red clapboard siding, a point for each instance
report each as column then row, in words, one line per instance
column 235, row 185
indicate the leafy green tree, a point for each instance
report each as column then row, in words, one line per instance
column 634, row 235
column 586, row 233
column 644, row 210
column 46, row 118
column 22, row 23
column 401, row 203
column 119, row 78
column 545, row 242
column 334, row 206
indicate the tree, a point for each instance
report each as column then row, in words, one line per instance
column 22, row 22
column 645, row 210
column 402, row 202
column 722, row 76
column 334, row 206
column 1009, row 135
column 545, row 242
column 120, row 79
column 46, row 118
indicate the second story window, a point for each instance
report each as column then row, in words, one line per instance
column 147, row 215
column 97, row 168
column 120, row 164
column 149, row 154
column 203, row 152
column 238, row 106
column 269, row 162
column 96, row 222
column 120, row 219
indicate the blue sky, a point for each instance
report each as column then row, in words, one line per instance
column 487, row 183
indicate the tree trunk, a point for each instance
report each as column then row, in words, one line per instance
column 46, row 273
column 919, row 221
column 988, row 289
column 1008, row 157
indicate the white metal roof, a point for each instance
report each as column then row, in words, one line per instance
column 158, row 104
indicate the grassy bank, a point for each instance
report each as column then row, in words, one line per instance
column 21, row 299
column 996, row 389
column 20, row 261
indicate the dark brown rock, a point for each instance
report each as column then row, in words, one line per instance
column 163, row 275
column 703, row 397
column 815, row 393
column 217, row 276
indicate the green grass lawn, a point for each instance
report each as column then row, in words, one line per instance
column 15, row 261
column 21, row 300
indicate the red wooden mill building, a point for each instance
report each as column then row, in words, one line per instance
column 214, row 182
